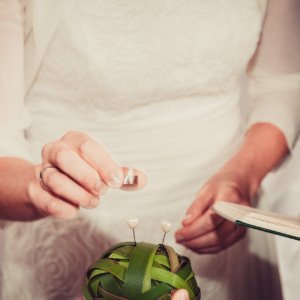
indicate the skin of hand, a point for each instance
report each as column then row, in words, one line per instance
column 83, row 171
column 178, row 295
column 204, row 231
column 86, row 171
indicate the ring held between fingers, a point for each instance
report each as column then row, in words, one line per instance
column 75, row 167
column 64, row 187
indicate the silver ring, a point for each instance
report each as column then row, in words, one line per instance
column 41, row 177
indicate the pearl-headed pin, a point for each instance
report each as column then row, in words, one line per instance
column 166, row 226
column 133, row 223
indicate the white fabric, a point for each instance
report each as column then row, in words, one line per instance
column 14, row 117
column 157, row 83
column 283, row 191
column 275, row 70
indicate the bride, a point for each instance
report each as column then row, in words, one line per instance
column 148, row 87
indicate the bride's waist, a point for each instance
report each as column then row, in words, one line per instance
column 190, row 127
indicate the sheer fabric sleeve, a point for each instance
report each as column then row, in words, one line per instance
column 274, row 71
column 14, row 117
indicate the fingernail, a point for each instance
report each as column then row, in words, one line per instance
column 94, row 202
column 100, row 188
column 188, row 216
column 114, row 180
column 179, row 238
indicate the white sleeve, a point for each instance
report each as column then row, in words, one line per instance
column 274, row 71
column 14, row 117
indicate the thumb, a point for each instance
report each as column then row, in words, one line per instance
column 198, row 207
column 181, row 295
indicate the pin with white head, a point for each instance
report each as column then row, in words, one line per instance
column 166, row 226
column 133, row 223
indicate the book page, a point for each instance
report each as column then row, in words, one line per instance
column 262, row 219
column 284, row 219
column 272, row 224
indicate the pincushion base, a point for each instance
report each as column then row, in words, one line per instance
column 141, row 271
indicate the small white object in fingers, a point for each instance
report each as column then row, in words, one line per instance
column 166, row 226
column 132, row 222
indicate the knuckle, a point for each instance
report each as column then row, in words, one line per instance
column 86, row 146
column 235, row 197
column 230, row 195
column 52, row 208
column 106, row 167
column 216, row 239
column 46, row 149
column 70, row 134
column 61, row 156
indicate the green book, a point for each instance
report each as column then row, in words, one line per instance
column 287, row 226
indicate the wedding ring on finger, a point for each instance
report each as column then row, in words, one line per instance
column 41, row 177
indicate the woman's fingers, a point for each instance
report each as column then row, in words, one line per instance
column 81, row 170
column 74, row 166
column 49, row 205
column 232, row 239
column 65, row 187
column 199, row 206
column 95, row 155
column 201, row 226
column 222, row 237
column 181, row 294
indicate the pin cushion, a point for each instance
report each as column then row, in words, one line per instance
column 140, row 271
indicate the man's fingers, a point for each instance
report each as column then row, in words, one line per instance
column 64, row 187
column 208, row 222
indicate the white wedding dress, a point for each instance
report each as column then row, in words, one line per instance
column 158, row 84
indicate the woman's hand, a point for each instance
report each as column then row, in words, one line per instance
column 203, row 230
column 237, row 181
column 83, row 171
column 178, row 295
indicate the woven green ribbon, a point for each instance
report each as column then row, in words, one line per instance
column 142, row 272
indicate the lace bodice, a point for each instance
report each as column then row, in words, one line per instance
column 118, row 55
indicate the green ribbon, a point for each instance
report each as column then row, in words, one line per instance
column 139, row 272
